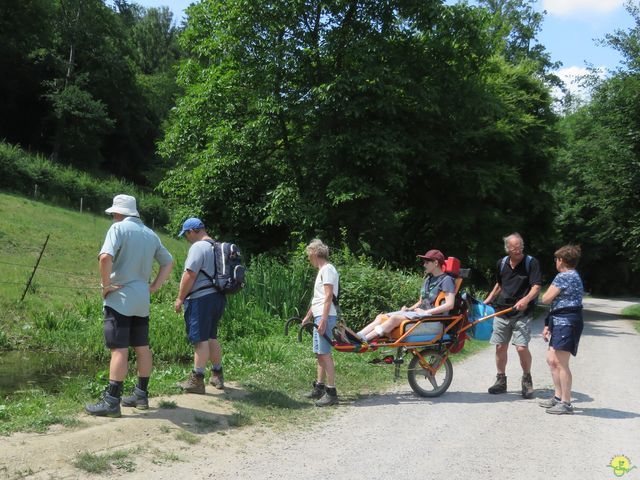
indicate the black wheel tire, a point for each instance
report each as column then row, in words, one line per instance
column 421, row 380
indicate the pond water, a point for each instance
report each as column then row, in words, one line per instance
column 20, row 370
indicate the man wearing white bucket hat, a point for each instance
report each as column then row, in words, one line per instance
column 126, row 262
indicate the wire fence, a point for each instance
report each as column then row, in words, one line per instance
column 86, row 279
column 74, row 274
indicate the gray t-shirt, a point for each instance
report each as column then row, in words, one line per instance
column 201, row 258
column 133, row 247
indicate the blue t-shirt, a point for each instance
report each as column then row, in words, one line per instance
column 134, row 248
column 199, row 260
column 433, row 286
column 570, row 285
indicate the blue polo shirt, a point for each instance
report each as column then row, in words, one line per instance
column 133, row 247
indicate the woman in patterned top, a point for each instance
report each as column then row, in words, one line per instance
column 563, row 326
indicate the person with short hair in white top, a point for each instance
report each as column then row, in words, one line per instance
column 324, row 314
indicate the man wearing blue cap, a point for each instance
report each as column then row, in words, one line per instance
column 203, row 307
column 126, row 263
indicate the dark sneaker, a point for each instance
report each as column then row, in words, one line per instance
column 549, row 402
column 560, row 408
column 329, row 398
column 527, row 386
column 138, row 398
column 194, row 384
column 317, row 392
column 501, row 384
column 217, row 379
column 108, row 406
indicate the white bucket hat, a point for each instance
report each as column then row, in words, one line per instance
column 124, row 205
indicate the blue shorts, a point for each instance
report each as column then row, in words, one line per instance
column 566, row 335
column 201, row 316
column 320, row 344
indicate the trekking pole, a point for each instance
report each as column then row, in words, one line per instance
column 34, row 269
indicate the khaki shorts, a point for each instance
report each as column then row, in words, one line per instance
column 516, row 329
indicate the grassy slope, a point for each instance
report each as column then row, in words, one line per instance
column 69, row 267
column 274, row 369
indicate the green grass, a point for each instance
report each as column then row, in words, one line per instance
column 62, row 313
column 168, row 404
column 633, row 312
column 187, row 437
column 101, row 463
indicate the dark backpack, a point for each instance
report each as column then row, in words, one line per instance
column 527, row 264
column 229, row 275
column 527, row 267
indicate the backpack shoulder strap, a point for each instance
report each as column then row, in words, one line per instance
column 503, row 263
column 213, row 244
column 527, row 264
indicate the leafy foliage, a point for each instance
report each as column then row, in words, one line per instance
column 598, row 193
column 89, row 85
column 397, row 123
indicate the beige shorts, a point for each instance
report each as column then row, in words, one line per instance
column 516, row 329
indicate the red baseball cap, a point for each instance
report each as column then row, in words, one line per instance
column 436, row 255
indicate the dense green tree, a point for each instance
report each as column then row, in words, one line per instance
column 598, row 193
column 398, row 123
column 25, row 33
column 89, row 84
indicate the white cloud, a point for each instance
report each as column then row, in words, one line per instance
column 574, row 80
column 567, row 7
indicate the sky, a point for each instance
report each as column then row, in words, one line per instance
column 569, row 32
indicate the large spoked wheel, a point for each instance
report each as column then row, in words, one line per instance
column 427, row 381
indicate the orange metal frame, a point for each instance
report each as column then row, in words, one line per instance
column 451, row 321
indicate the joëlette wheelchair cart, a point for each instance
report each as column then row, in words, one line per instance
column 427, row 341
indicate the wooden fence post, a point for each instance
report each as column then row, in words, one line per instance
column 34, row 269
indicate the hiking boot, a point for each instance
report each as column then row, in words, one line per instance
column 138, row 398
column 501, row 384
column 560, row 408
column 527, row 386
column 549, row 402
column 330, row 397
column 108, row 406
column 193, row 384
column 317, row 392
column 217, row 379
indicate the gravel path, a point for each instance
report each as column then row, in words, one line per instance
column 466, row 433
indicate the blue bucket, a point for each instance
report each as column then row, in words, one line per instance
column 482, row 330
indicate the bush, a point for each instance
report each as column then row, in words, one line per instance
column 20, row 172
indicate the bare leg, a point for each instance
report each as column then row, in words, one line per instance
column 564, row 374
column 501, row 357
column 369, row 328
column 144, row 359
column 326, row 361
column 525, row 358
column 215, row 351
column 391, row 323
column 552, row 361
column 321, row 372
column 118, row 364
column 201, row 354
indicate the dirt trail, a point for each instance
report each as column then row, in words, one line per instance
column 466, row 433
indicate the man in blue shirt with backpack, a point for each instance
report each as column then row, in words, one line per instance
column 518, row 284
column 203, row 307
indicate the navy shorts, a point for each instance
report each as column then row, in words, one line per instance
column 121, row 331
column 566, row 337
column 201, row 317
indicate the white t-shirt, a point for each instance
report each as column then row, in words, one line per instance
column 326, row 275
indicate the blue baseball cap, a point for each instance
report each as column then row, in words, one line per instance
column 191, row 224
